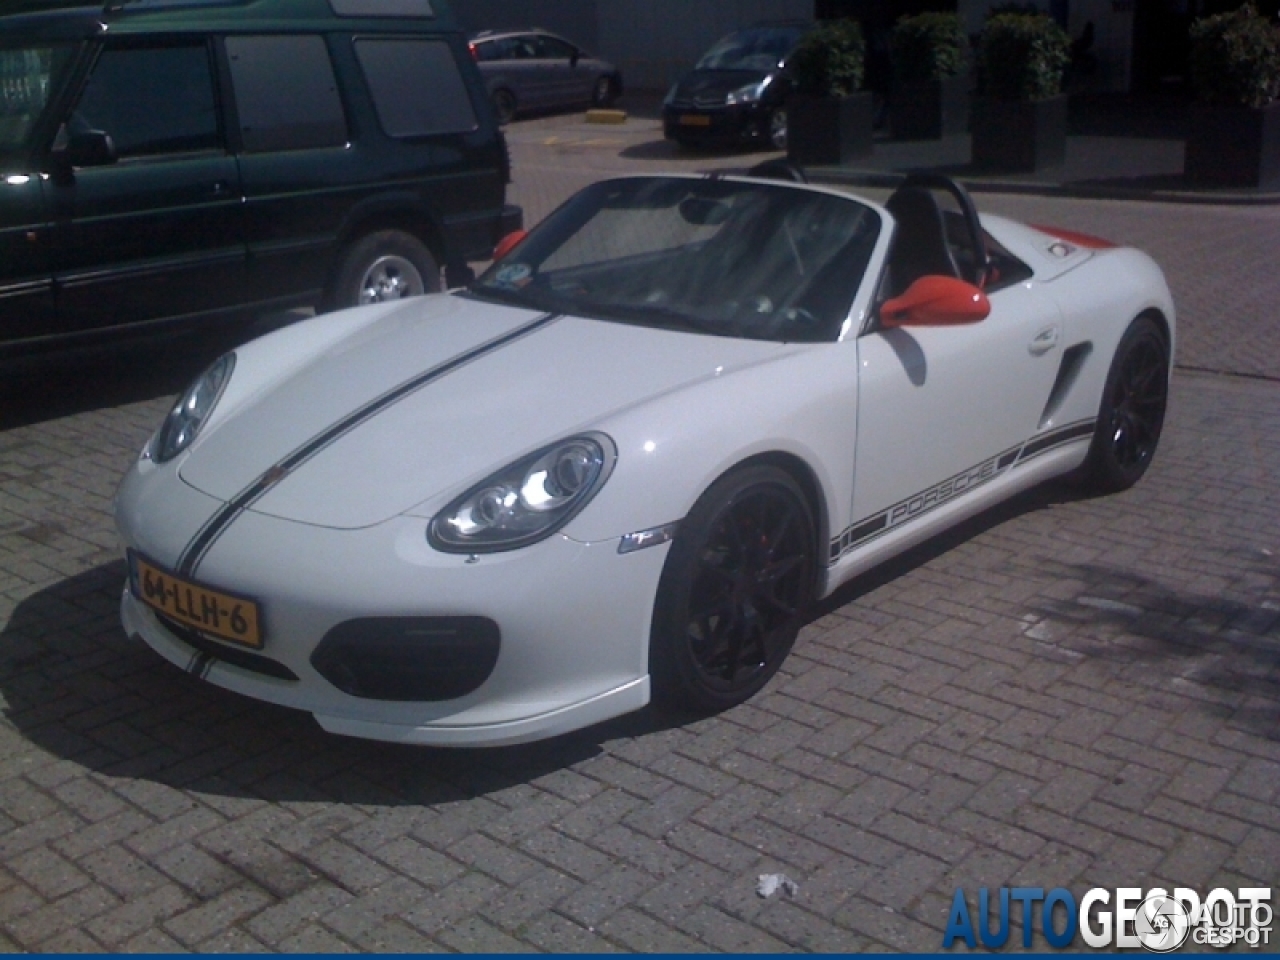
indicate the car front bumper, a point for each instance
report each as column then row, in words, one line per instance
column 573, row 617
column 728, row 124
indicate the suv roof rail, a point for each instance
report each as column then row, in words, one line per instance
column 116, row 6
column 339, row 8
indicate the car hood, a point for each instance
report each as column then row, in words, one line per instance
column 430, row 399
column 715, row 85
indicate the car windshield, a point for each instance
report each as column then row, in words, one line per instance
column 28, row 75
column 735, row 258
column 758, row 48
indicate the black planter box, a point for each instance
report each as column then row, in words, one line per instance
column 929, row 109
column 829, row 132
column 1234, row 146
column 1022, row 135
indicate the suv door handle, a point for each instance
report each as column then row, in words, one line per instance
column 1044, row 341
column 219, row 188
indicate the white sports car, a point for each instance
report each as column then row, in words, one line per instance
column 627, row 459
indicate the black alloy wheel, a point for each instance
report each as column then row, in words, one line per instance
column 735, row 590
column 1133, row 406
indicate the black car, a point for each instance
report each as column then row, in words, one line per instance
column 169, row 161
column 738, row 91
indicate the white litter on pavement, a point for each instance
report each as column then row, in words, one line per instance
column 771, row 883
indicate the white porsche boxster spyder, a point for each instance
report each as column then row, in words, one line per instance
column 627, row 460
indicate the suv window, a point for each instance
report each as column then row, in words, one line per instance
column 27, row 74
column 286, row 94
column 152, row 100
column 416, row 87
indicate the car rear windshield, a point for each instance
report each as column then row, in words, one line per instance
column 757, row 48
column 28, row 76
column 735, row 258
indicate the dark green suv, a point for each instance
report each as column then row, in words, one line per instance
column 164, row 161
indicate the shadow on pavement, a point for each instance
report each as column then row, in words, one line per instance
column 74, row 685
column 77, row 687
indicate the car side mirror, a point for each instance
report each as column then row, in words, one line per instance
column 936, row 301
column 91, row 148
column 509, row 243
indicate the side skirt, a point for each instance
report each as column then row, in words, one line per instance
column 888, row 540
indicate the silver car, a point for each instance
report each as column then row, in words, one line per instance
column 536, row 70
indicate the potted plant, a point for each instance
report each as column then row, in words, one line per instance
column 829, row 121
column 1234, row 139
column 930, row 96
column 1020, row 113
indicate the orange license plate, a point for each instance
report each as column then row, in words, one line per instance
column 694, row 120
column 226, row 616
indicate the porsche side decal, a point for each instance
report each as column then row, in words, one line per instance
column 214, row 527
column 921, row 503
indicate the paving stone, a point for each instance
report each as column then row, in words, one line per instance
column 209, row 920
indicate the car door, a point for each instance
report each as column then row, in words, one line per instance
column 526, row 71
column 157, row 233
column 26, row 279
column 301, row 170
column 941, row 408
column 567, row 81
column 26, row 283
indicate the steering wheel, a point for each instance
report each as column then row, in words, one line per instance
column 973, row 226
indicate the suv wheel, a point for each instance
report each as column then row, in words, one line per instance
column 387, row 265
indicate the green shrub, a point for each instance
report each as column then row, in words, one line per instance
column 829, row 60
column 1022, row 56
column 928, row 46
column 1235, row 58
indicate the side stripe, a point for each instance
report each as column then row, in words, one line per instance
column 918, row 504
column 217, row 524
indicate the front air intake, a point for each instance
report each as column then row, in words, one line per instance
column 409, row 658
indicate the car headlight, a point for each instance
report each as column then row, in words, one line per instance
column 192, row 410
column 526, row 501
column 751, row 93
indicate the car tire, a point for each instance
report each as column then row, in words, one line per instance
column 736, row 587
column 1131, row 415
column 382, row 266
column 504, row 106
column 602, row 92
column 776, row 128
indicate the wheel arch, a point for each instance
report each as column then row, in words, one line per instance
column 1157, row 315
column 401, row 212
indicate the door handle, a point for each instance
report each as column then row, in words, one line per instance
column 219, row 188
column 1044, row 341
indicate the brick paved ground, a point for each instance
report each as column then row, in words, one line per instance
column 1066, row 692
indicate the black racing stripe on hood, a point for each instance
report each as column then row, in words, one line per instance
column 217, row 524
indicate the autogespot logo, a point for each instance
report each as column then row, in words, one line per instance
column 1127, row 917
